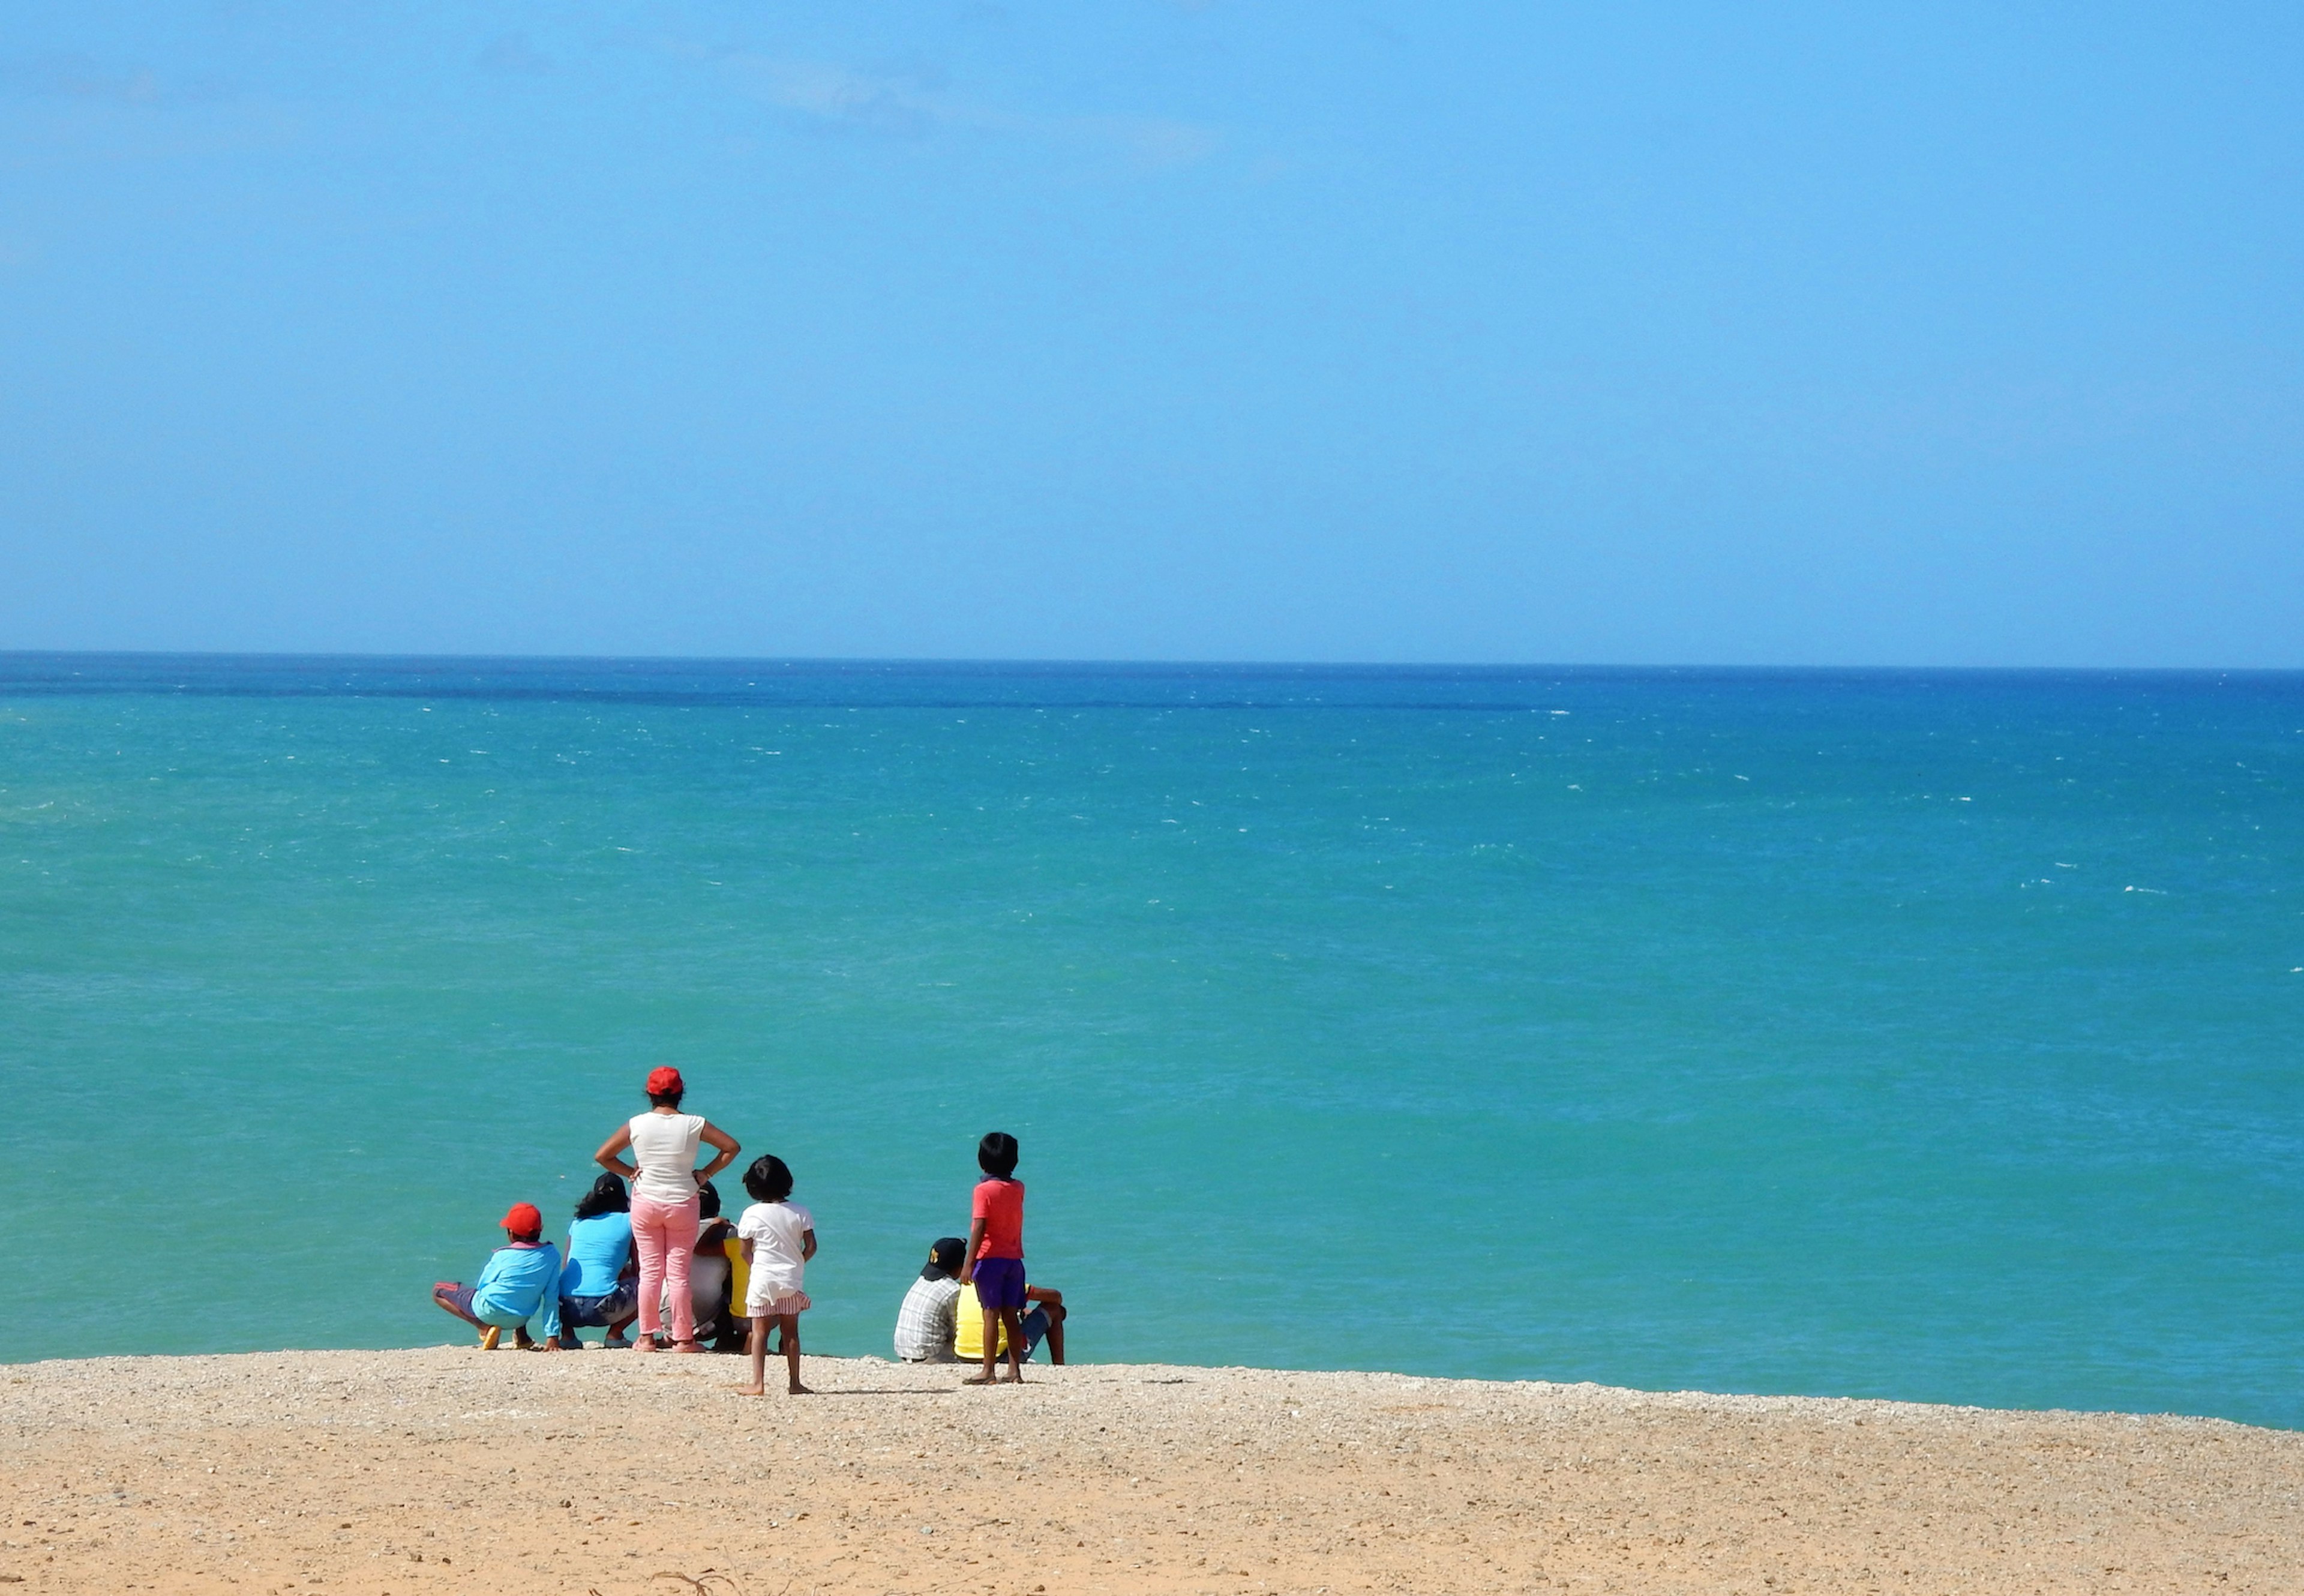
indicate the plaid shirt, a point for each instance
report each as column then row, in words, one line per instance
column 925, row 1324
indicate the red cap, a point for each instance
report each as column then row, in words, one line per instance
column 522, row 1218
column 663, row 1078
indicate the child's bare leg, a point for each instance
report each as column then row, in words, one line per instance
column 1013, row 1323
column 991, row 1341
column 443, row 1297
column 1056, row 1333
column 757, row 1345
column 790, row 1324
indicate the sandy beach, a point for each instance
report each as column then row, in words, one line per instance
column 447, row 1470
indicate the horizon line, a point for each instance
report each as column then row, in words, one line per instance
column 1047, row 662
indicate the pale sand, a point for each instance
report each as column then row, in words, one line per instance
column 448, row 1470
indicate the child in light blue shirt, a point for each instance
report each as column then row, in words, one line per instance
column 521, row 1277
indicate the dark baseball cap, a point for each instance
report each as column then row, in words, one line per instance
column 944, row 1258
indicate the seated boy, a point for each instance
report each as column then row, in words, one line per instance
column 940, row 1322
column 735, row 1329
column 520, row 1278
column 924, row 1323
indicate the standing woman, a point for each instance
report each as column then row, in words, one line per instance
column 665, row 1181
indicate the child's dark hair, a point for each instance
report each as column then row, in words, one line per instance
column 607, row 1196
column 707, row 1201
column 995, row 1155
column 768, row 1180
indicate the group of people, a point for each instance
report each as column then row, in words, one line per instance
column 647, row 1246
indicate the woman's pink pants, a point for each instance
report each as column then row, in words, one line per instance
column 665, row 1234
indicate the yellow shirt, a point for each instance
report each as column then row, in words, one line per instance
column 740, row 1273
column 968, row 1326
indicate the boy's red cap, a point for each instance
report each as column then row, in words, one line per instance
column 522, row 1218
column 663, row 1078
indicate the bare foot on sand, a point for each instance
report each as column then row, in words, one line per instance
column 751, row 1390
column 799, row 1392
column 979, row 1379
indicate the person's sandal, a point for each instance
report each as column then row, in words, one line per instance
column 490, row 1336
column 686, row 1346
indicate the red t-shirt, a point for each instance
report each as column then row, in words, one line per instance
column 1000, row 1204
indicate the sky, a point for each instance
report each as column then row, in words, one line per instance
column 1881, row 334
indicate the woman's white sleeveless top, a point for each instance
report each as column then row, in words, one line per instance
column 663, row 1149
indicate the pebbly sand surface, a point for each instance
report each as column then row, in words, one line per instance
column 447, row 1470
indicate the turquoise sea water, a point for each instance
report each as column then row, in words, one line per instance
column 1928, row 1036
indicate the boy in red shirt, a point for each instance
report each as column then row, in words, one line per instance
column 994, row 1263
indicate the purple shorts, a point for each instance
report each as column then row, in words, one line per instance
column 458, row 1300
column 999, row 1282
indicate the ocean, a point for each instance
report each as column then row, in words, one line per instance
column 1907, row 1034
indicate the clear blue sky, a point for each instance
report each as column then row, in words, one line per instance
column 1927, row 334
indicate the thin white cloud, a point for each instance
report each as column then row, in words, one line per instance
column 917, row 104
column 1156, row 142
column 512, row 54
column 900, row 106
column 80, row 77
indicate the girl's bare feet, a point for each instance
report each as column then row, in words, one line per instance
column 752, row 1390
column 979, row 1379
column 799, row 1392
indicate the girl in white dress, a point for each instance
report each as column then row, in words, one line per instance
column 779, row 1238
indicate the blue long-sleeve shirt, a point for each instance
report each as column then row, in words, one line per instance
column 520, row 1279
